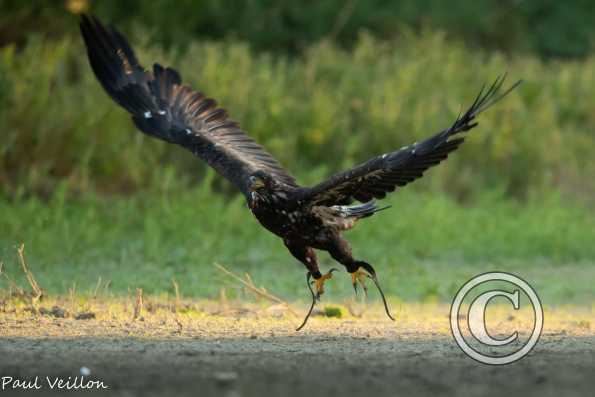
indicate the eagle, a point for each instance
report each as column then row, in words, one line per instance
column 305, row 218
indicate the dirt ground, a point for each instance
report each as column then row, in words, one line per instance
column 257, row 352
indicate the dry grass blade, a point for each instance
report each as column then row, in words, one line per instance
column 97, row 286
column 72, row 298
column 177, row 293
column 261, row 292
column 13, row 288
column 223, row 301
column 37, row 291
column 138, row 304
column 106, row 286
column 180, row 325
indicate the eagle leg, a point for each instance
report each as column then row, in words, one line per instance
column 307, row 256
column 341, row 252
column 308, row 277
column 319, row 291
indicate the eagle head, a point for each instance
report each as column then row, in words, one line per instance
column 260, row 186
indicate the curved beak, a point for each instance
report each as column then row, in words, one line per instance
column 256, row 184
column 254, row 187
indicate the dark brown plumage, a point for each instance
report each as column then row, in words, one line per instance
column 305, row 218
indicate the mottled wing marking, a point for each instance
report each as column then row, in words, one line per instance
column 164, row 108
column 383, row 174
column 334, row 217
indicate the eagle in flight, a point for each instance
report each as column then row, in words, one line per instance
column 306, row 218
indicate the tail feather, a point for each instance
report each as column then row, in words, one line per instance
column 361, row 210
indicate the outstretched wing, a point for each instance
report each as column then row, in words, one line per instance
column 164, row 108
column 381, row 175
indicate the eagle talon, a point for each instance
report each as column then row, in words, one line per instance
column 319, row 282
column 315, row 296
column 359, row 277
column 386, row 309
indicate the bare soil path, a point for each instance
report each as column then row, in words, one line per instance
column 260, row 354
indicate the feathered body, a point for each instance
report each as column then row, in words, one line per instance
column 306, row 218
column 280, row 209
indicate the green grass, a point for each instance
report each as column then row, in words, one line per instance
column 324, row 111
column 91, row 197
column 424, row 248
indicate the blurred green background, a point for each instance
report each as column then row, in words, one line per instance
column 323, row 85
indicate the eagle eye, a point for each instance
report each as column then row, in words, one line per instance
column 256, row 182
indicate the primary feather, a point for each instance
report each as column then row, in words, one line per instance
column 383, row 174
column 164, row 108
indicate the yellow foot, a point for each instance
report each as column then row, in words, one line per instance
column 359, row 277
column 319, row 282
